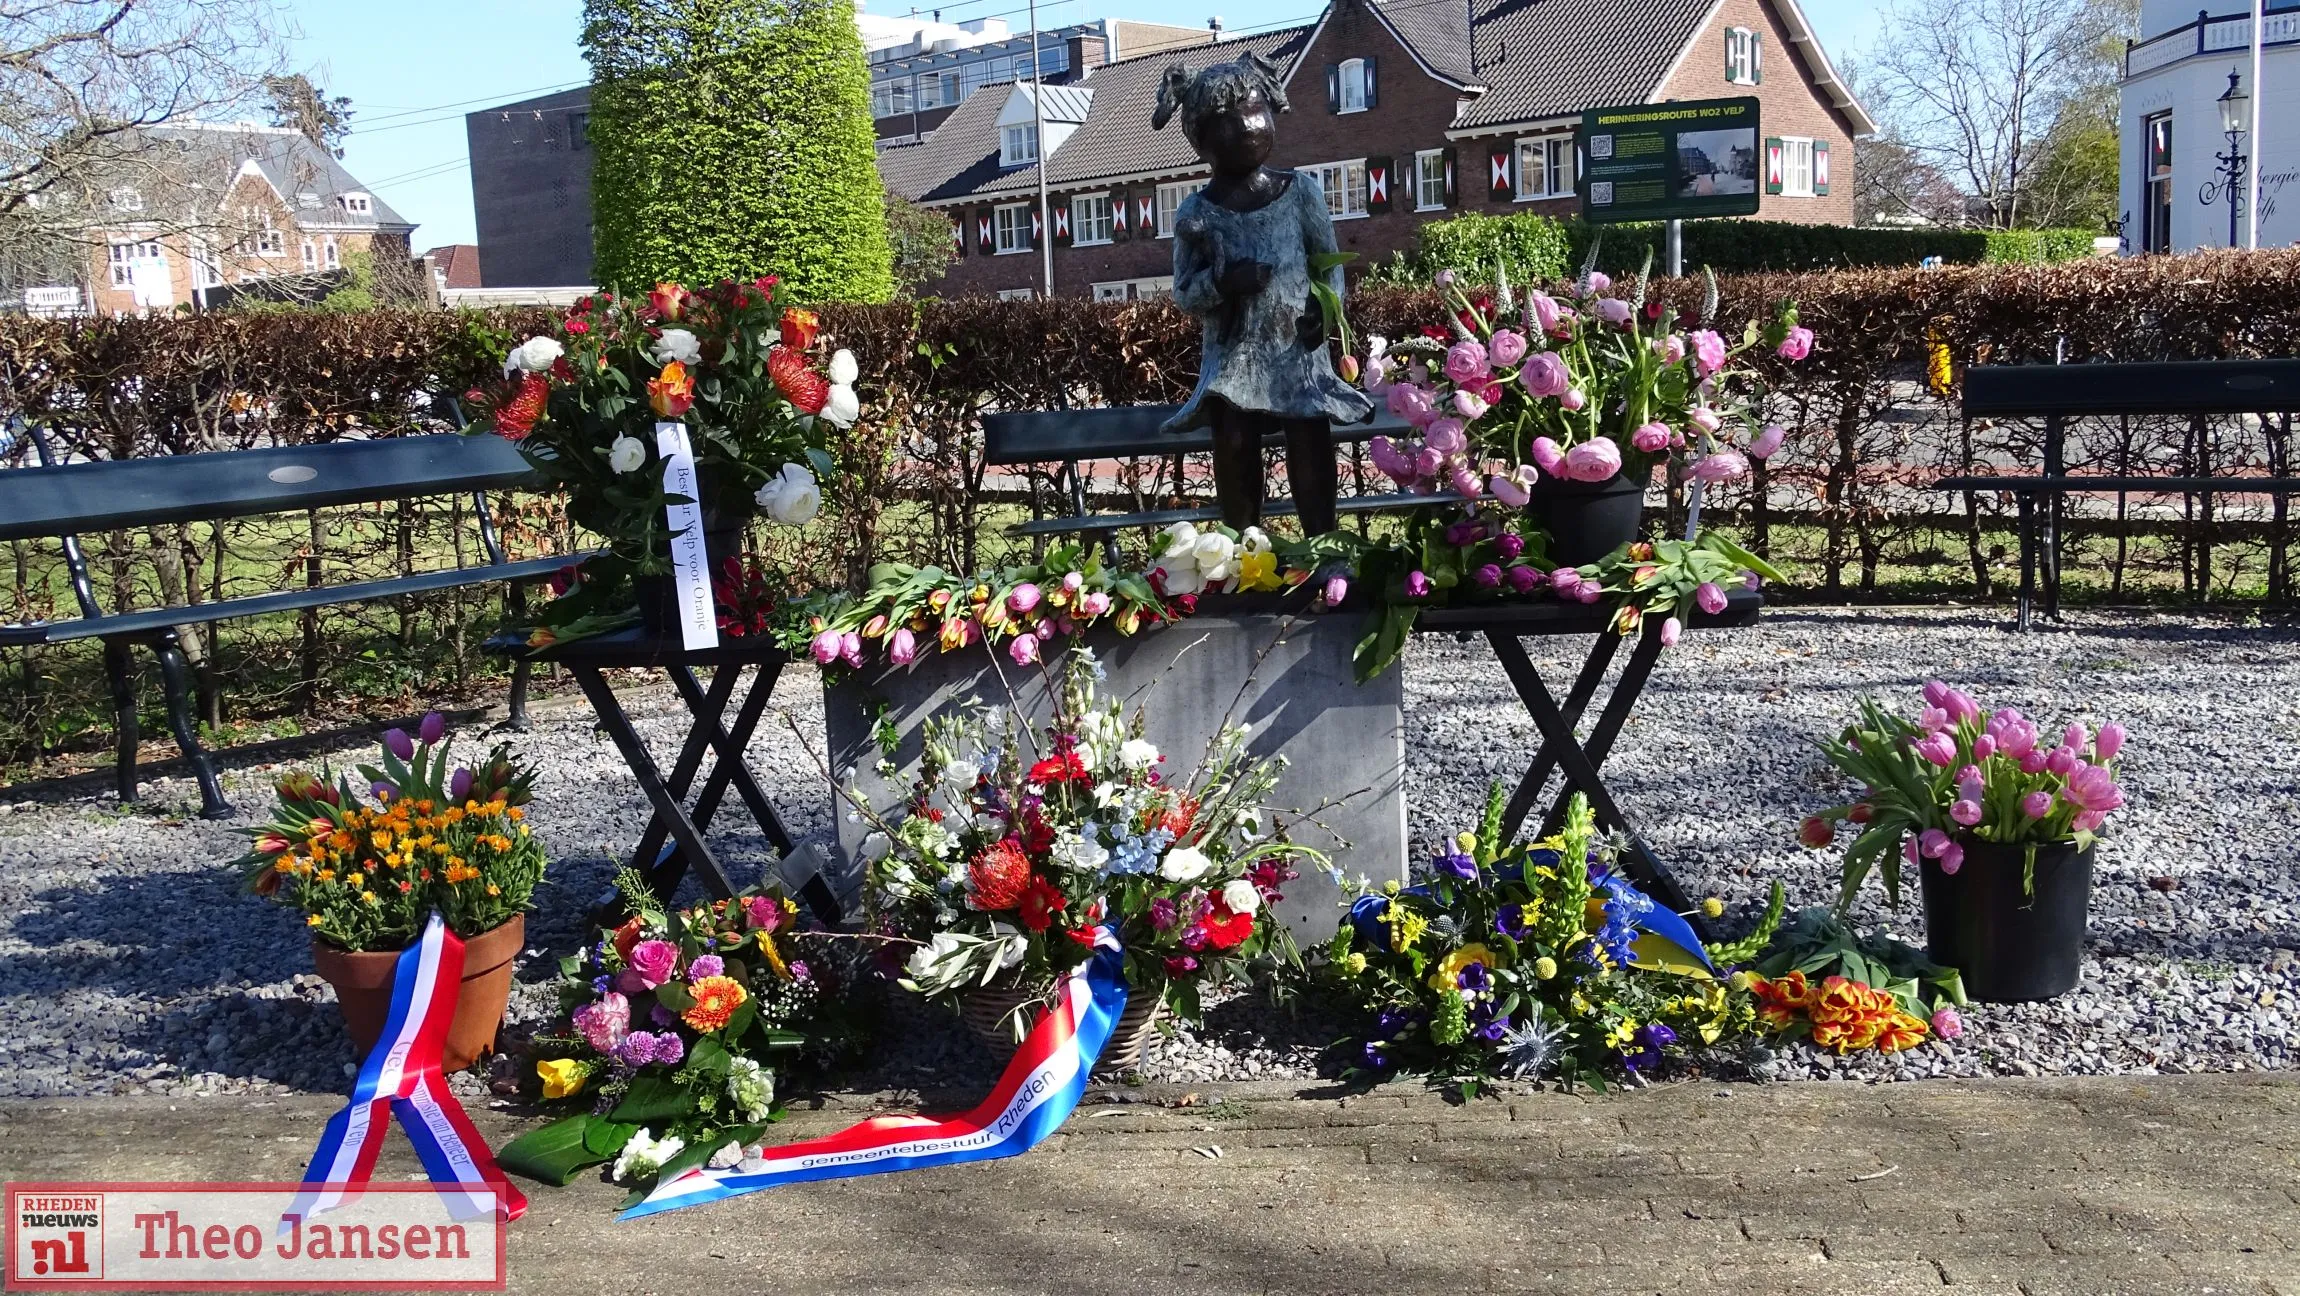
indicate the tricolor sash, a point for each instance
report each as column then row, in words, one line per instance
column 402, row 1072
column 1038, row 1091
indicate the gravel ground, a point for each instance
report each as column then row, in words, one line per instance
column 130, row 963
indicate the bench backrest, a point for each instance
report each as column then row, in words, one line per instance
column 1118, row 432
column 116, row 495
column 2168, row 387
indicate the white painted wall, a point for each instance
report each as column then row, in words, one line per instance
column 2191, row 89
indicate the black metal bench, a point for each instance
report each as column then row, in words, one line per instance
column 2058, row 394
column 1071, row 438
column 62, row 501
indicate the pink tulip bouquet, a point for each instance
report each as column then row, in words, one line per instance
column 1954, row 777
column 1580, row 387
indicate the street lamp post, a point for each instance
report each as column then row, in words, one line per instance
column 2235, row 117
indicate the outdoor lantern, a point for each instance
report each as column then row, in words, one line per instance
column 2235, row 105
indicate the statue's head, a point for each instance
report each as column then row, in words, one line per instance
column 1229, row 111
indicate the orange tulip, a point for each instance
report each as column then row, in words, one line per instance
column 667, row 300
column 673, row 392
column 799, row 328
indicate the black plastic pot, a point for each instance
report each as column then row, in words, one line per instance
column 1588, row 520
column 659, row 595
column 2012, row 945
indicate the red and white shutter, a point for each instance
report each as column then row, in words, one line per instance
column 1146, row 213
column 985, row 238
column 1120, row 209
column 1378, row 184
column 1452, row 184
column 1775, row 166
column 958, row 235
column 1062, row 224
column 1501, row 173
column 1820, row 168
column 1037, row 227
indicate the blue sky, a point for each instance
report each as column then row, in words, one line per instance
column 414, row 67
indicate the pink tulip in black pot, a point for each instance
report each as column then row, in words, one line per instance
column 1588, row 520
column 2012, row 944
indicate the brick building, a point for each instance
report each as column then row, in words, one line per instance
column 1406, row 110
column 206, row 206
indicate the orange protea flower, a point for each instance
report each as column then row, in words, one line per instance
column 998, row 877
column 800, row 385
column 516, row 416
column 799, row 328
column 672, row 392
column 1180, row 819
column 716, row 999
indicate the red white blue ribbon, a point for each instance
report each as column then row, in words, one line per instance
column 1040, row 1088
column 402, row 1074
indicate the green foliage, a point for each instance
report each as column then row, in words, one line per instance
column 733, row 139
column 1539, row 248
column 919, row 240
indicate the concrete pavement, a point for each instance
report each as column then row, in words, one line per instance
column 2083, row 1186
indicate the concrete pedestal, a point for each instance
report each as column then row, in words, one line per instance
column 1302, row 703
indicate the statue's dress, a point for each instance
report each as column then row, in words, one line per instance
column 1254, row 354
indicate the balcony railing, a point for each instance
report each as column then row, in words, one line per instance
column 2210, row 35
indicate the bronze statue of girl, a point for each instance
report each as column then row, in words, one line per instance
column 1242, row 250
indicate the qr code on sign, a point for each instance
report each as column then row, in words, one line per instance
column 1600, row 193
column 1601, row 146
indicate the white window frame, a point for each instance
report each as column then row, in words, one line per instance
column 358, row 204
column 1084, row 222
column 122, row 259
column 1177, row 191
column 1016, row 294
column 1147, row 288
column 1010, row 230
column 310, row 255
column 1353, row 86
column 945, row 89
column 1352, row 174
column 1796, row 166
column 126, row 199
column 1740, row 56
column 1011, row 142
column 1424, row 178
column 205, row 271
column 1556, row 152
column 329, row 255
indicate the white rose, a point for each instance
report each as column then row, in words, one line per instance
column 1181, row 540
column 1184, row 864
column 535, row 355
column 1217, row 556
column 842, row 407
column 1138, row 753
column 677, row 344
column 627, row 455
column 1240, row 897
column 791, row 496
column 844, row 371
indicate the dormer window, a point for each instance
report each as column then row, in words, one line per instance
column 307, row 200
column 1350, row 85
column 357, row 204
column 127, row 200
column 1018, row 145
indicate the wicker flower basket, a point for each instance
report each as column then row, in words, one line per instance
column 1000, row 1015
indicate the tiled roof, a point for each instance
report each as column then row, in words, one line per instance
column 1067, row 103
column 960, row 158
column 1438, row 31
column 1550, row 58
column 458, row 264
column 292, row 163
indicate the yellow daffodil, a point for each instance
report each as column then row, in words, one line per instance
column 1258, row 571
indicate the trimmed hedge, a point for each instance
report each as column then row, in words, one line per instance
column 1538, row 246
column 1866, row 440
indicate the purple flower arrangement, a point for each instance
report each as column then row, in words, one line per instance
column 1955, row 776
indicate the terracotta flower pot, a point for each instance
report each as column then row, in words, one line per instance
column 363, row 990
column 990, row 1013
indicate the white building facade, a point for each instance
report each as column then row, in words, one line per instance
column 2172, row 193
